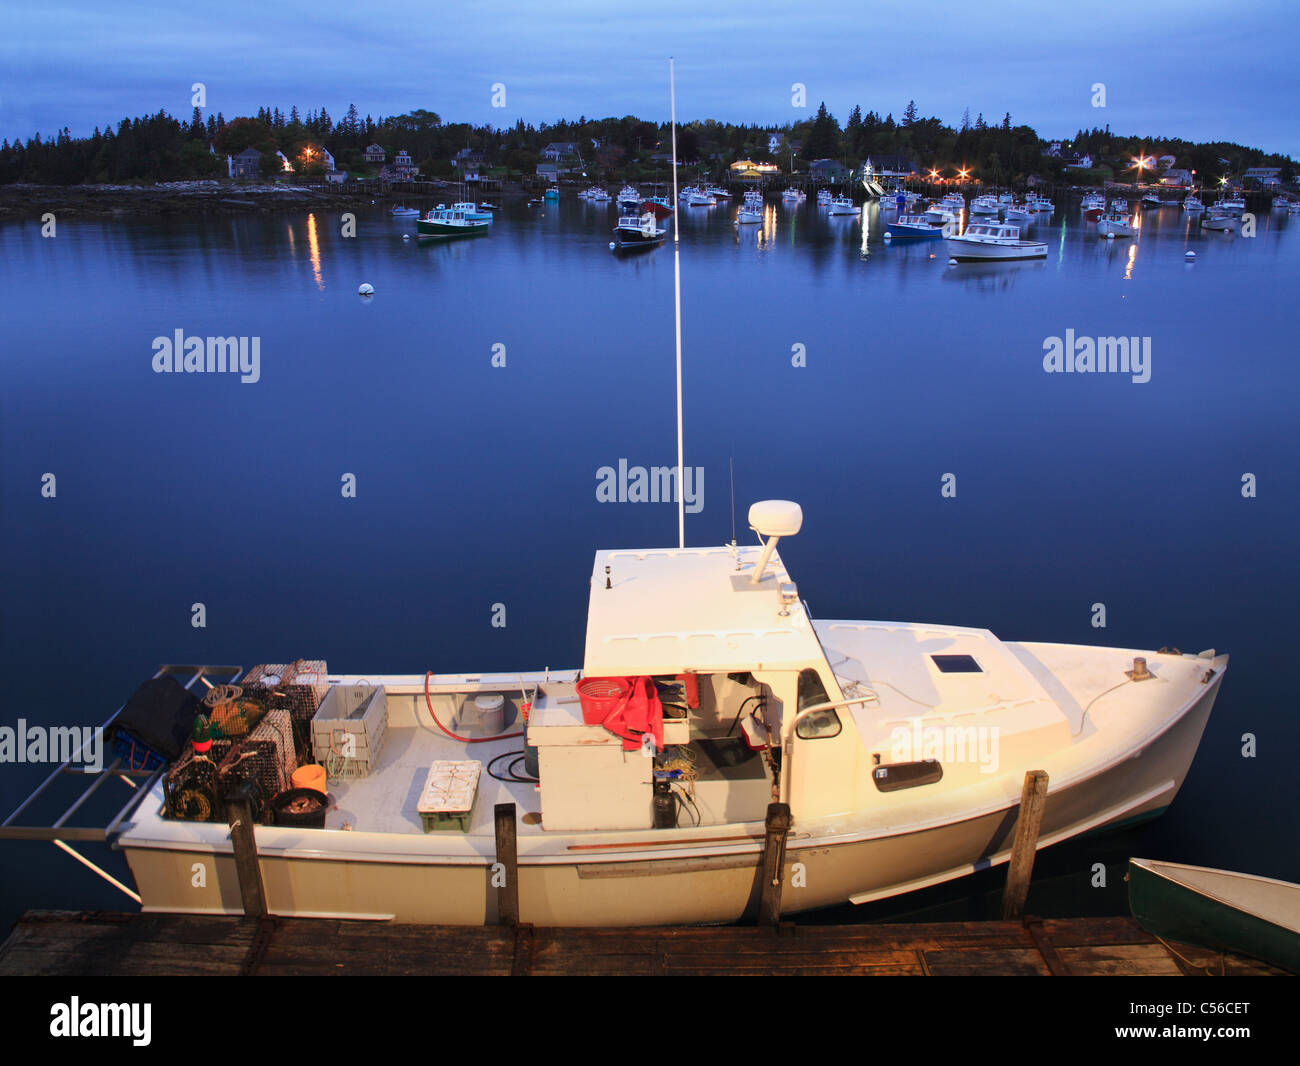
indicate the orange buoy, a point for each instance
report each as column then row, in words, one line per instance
column 310, row 776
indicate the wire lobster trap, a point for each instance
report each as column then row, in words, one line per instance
column 265, row 760
column 190, row 789
column 297, row 687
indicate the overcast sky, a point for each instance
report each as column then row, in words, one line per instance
column 1187, row 68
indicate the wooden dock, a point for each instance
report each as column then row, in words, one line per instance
column 69, row 943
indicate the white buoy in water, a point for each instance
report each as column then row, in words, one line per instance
column 406, row 236
column 952, row 262
column 611, row 246
column 888, row 236
column 1110, row 236
column 366, row 289
column 1190, row 255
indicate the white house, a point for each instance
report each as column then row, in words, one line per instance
column 329, row 160
column 375, row 154
column 557, row 150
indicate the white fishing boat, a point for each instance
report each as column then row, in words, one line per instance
column 1232, row 204
column 985, row 205
column 823, row 197
column 1219, row 220
column 793, row 196
column 751, row 210
column 842, row 205
column 1040, row 204
column 942, row 215
column 1093, row 205
column 1293, row 207
column 1192, row 202
column 984, row 241
column 1021, row 214
column 700, row 198
column 717, row 192
column 1119, row 205
column 628, row 196
column 1115, row 224
column 598, row 196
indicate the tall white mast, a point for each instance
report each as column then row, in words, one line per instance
column 677, row 306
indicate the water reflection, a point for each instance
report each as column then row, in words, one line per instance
column 313, row 250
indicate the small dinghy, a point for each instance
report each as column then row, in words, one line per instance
column 1235, row 912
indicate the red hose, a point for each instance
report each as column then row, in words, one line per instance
column 467, row 740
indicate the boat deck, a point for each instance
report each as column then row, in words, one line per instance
column 67, row 943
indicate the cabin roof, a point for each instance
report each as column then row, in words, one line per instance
column 669, row 610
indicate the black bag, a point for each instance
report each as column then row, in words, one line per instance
column 161, row 715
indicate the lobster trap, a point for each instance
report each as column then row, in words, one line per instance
column 190, row 787
column 265, row 760
column 297, row 687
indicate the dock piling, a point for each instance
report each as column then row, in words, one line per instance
column 777, row 826
column 240, row 816
column 507, row 856
column 1033, row 801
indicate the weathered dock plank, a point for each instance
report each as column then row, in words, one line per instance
column 110, row 944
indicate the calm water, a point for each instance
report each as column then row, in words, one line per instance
column 476, row 484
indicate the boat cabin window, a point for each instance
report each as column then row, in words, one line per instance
column 956, row 664
column 821, row 724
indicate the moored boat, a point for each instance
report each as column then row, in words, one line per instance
column 637, row 231
column 751, row 210
column 1241, row 913
column 1115, row 224
column 842, row 205
column 444, row 222
column 913, row 226
column 985, row 205
column 984, row 241
column 628, row 196
column 472, row 211
column 401, row 211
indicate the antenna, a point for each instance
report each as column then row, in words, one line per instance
column 732, row 461
column 677, row 305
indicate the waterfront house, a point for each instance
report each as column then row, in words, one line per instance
column 893, row 166
column 329, row 159
column 336, row 177
column 247, row 164
column 1267, row 176
column 1177, row 178
column 375, row 154
column 404, row 168
column 558, row 151
column 831, row 170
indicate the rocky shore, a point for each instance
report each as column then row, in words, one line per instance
column 30, row 202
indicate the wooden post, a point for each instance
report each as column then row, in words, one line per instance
column 1033, row 801
column 507, row 856
column 777, row 826
column 239, row 814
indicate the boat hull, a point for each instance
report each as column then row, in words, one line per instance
column 425, row 228
column 973, row 252
column 1166, row 906
column 715, row 881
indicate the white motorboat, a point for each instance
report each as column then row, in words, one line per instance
column 751, row 211
column 401, row 211
column 1093, row 205
column 842, row 205
column 985, row 205
column 1232, row 205
column 628, row 196
column 718, row 193
column 472, row 211
column 793, row 196
column 1219, row 220
column 1021, row 214
column 899, row 748
column 943, row 216
column 823, row 197
column 1115, row 224
column 1192, row 202
column 598, row 196
column 985, row 241
column 1119, row 205
column 1040, row 204
column 699, row 198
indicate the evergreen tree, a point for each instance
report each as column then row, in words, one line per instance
column 965, row 120
column 909, row 116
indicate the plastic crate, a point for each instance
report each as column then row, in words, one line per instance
column 136, row 754
column 449, row 796
column 348, row 732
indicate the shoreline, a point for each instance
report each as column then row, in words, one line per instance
column 30, row 202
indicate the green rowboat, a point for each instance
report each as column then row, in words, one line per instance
column 1247, row 915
